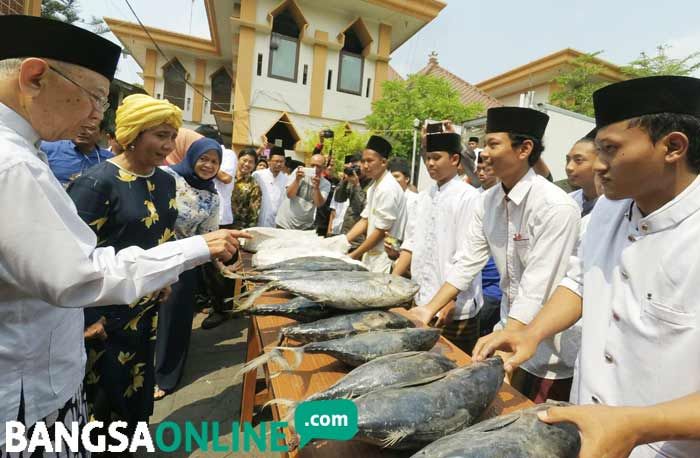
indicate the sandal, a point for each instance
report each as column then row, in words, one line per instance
column 159, row 394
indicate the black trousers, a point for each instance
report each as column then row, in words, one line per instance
column 174, row 330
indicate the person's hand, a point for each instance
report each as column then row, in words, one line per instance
column 223, row 243
column 315, row 182
column 605, row 431
column 422, row 314
column 390, row 251
column 353, row 179
column 448, row 126
column 231, row 268
column 263, row 140
column 163, row 294
column 445, row 315
column 96, row 330
column 355, row 255
column 299, row 174
column 520, row 343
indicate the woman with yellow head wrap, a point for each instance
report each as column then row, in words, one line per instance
column 128, row 200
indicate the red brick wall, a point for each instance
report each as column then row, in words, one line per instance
column 12, row 6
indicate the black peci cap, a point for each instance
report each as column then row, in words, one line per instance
column 29, row 36
column 380, row 145
column 474, row 139
column 277, row 151
column 449, row 142
column 642, row 96
column 516, row 120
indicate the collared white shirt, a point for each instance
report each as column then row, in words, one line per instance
column 274, row 189
column 385, row 209
column 638, row 277
column 340, row 209
column 530, row 233
column 440, row 216
column 50, row 268
column 578, row 197
column 229, row 162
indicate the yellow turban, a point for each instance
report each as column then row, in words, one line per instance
column 139, row 112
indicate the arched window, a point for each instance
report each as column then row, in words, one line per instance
column 284, row 46
column 352, row 60
column 175, row 86
column 221, row 90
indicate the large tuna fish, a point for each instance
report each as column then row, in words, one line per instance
column 314, row 264
column 517, row 435
column 352, row 291
column 299, row 309
column 345, row 325
column 412, row 416
column 378, row 373
column 353, row 350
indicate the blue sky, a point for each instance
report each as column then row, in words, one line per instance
column 478, row 39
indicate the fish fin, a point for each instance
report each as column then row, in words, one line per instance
column 233, row 275
column 252, row 297
column 298, row 356
column 495, row 423
column 287, row 403
column 395, row 437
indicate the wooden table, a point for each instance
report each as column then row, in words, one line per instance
column 317, row 372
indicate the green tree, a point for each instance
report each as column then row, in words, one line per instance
column 419, row 97
column 68, row 11
column 344, row 143
column 575, row 86
column 662, row 64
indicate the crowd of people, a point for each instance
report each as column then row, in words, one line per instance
column 588, row 296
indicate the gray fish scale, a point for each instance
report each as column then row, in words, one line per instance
column 361, row 348
column 352, row 290
column 313, row 264
column 517, row 435
column 411, row 417
column 299, row 309
column 385, row 371
column 346, row 325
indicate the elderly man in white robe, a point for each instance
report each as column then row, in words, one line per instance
column 54, row 76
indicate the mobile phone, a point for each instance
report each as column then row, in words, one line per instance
column 309, row 171
column 434, row 127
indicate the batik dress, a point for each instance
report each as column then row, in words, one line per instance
column 246, row 200
column 124, row 210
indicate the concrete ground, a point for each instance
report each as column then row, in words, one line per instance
column 207, row 391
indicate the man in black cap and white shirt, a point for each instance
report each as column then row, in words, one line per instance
column 54, row 76
column 272, row 182
column 385, row 211
column 529, row 226
column 633, row 280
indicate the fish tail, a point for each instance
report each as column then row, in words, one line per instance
column 287, row 403
column 255, row 363
column 298, row 356
column 252, row 297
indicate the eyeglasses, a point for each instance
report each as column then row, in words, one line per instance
column 100, row 102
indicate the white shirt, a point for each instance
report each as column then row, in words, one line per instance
column 50, row 268
column 578, row 197
column 411, row 202
column 638, row 277
column 440, row 216
column 530, row 233
column 386, row 210
column 340, row 208
column 229, row 162
column 273, row 192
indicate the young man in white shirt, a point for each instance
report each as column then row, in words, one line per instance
column 385, row 211
column 530, row 227
column 272, row 182
column 633, row 280
column 51, row 267
column 440, row 216
column 579, row 171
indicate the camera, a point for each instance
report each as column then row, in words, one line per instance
column 355, row 169
column 327, row 133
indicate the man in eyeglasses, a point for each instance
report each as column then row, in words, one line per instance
column 54, row 78
column 69, row 159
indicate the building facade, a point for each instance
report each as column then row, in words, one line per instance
column 278, row 70
column 534, row 83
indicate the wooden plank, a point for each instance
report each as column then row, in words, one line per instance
column 249, row 380
column 317, row 372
